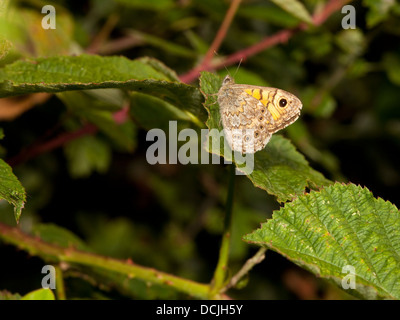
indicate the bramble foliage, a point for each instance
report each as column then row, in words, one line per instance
column 77, row 191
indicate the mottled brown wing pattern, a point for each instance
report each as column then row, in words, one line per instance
column 251, row 114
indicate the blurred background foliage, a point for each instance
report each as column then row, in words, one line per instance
column 109, row 200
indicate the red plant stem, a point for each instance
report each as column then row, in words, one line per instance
column 279, row 37
column 221, row 32
column 331, row 7
column 119, row 117
column 51, row 144
column 205, row 64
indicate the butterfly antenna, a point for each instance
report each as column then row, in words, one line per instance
column 227, row 71
column 216, row 54
column 237, row 69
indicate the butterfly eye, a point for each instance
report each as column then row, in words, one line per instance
column 282, row 103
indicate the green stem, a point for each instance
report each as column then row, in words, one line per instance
column 71, row 256
column 222, row 266
column 60, row 289
column 256, row 259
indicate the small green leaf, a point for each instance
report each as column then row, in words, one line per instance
column 270, row 14
column 278, row 168
column 95, row 111
column 378, row 10
column 351, row 41
column 341, row 225
column 11, row 189
column 87, row 154
column 40, row 294
column 54, row 234
column 295, row 8
column 391, row 64
column 5, row 47
column 148, row 4
column 164, row 45
column 5, row 295
column 144, row 107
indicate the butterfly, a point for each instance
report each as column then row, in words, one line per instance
column 251, row 114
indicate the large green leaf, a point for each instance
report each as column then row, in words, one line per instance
column 278, row 168
column 65, row 73
column 341, row 225
column 11, row 189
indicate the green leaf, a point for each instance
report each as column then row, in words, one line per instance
column 40, row 294
column 95, row 111
column 391, row 64
column 42, row 42
column 144, row 107
column 284, row 172
column 65, row 73
column 341, row 225
column 54, row 234
column 5, row 295
column 351, row 41
column 278, row 168
column 270, row 14
column 378, row 10
column 295, row 8
column 319, row 102
column 5, row 47
column 87, row 154
column 164, row 45
column 148, row 4
column 11, row 189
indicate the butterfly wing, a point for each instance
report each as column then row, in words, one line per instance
column 245, row 120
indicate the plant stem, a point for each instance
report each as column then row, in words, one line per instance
column 70, row 256
column 205, row 64
column 54, row 143
column 222, row 266
column 104, row 33
column 60, row 284
column 280, row 37
column 249, row 264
